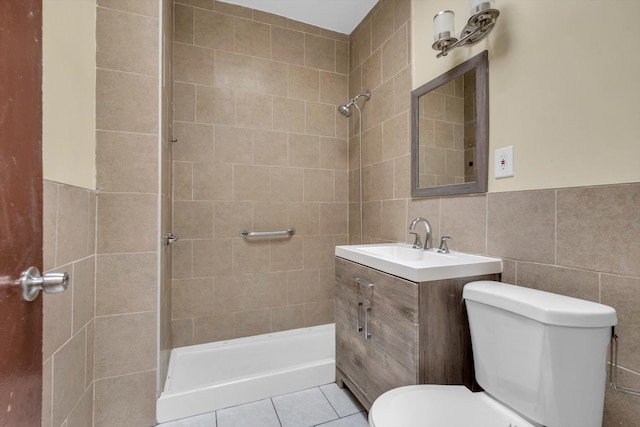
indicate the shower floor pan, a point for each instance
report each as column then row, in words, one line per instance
column 207, row 377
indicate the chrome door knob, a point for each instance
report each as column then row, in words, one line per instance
column 51, row 283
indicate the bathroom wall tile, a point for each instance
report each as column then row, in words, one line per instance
column 428, row 209
column 231, row 217
column 320, row 119
column 333, row 153
column 334, row 35
column 319, row 185
column 341, row 186
column 286, row 184
column 392, row 226
column 126, row 162
column 57, row 312
column 318, row 251
column 251, row 323
column 211, row 257
column 195, row 142
column 287, row 255
column 360, row 44
column 234, row 71
column 184, row 102
column 270, row 77
column 193, row 64
column 231, row 293
column 395, row 54
column 304, row 83
column 141, row 7
column 203, row 4
column 371, row 218
column 73, row 224
column 288, row 115
column 254, row 111
column 68, row 377
column 560, row 280
column 84, row 285
column 288, row 317
column 49, row 224
column 90, row 352
column 342, row 57
column 213, row 328
column 233, row 145
column 402, row 178
column 124, row 344
column 402, row 87
column 622, row 409
column 372, row 71
column 305, row 217
column 319, row 52
column 287, row 46
column 382, row 102
column 305, row 286
column 371, row 145
column 126, row 42
column 604, row 211
column 301, row 26
column 232, row 9
column 395, row 137
column 82, row 414
column 623, row 294
column 355, row 86
column 135, row 232
column 215, row 106
column 183, row 29
column 211, row 181
column 304, row 150
column 126, row 102
column 402, row 12
column 269, row 216
column 182, row 255
column 464, row 219
column 250, row 257
column 126, row 283
column 333, row 87
column 267, row 291
column 270, row 18
column 252, row 38
column 213, row 30
column 47, row 392
column 192, row 297
column 126, row 400
column 193, row 220
column 382, row 180
column 181, row 333
column 318, row 313
column 182, row 180
column 251, row 182
column 270, row 148
column 521, row 225
column 382, row 25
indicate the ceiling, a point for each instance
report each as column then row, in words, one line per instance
column 337, row 15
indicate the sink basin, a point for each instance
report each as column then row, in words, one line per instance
column 417, row 265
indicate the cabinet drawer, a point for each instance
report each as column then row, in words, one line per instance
column 397, row 296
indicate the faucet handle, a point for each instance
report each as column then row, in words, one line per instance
column 417, row 243
column 444, row 249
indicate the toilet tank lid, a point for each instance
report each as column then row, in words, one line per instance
column 541, row 306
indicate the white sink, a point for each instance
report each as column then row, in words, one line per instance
column 417, row 265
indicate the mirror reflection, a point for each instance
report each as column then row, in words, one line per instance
column 449, row 131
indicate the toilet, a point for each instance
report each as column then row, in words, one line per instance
column 540, row 358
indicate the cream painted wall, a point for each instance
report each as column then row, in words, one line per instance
column 68, row 92
column 566, row 97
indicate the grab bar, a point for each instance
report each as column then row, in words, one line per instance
column 281, row 233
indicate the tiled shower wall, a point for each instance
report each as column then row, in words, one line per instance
column 69, row 222
column 260, row 147
column 576, row 241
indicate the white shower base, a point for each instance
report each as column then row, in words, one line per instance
column 207, row 377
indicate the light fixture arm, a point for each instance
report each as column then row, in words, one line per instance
column 477, row 28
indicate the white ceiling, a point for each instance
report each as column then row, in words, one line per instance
column 337, row 15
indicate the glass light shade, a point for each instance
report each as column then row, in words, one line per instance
column 443, row 25
column 474, row 5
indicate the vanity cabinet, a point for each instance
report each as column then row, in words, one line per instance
column 392, row 332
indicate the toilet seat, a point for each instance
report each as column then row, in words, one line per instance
column 441, row 406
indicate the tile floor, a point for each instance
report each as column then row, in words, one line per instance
column 324, row 406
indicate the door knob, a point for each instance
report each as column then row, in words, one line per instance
column 51, row 283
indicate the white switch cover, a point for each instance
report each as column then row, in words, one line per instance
column 504, row 162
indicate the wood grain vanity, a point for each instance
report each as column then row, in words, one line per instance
column 392, row 332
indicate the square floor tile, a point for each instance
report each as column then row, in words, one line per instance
column 355, row 420
column 303, row 409
column 260, row 413
column 204, row 420
column 341, row 400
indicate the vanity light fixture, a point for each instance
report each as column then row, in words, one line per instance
column 483, row 18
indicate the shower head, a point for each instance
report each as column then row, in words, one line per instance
column 345, row 109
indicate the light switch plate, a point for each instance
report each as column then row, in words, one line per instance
column 504, row 162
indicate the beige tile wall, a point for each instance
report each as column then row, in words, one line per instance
column 69, row 218
column 575, row 241
column 260, row 147
column 128, row 162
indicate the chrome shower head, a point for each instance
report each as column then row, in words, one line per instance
column 345, row 109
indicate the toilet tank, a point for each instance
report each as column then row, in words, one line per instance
column 541, row 354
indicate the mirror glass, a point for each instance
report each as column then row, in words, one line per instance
column 449, row 128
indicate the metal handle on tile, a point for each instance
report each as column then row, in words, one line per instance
column 32, row 283
column 613, row 366
column 367, row 334
column 358, row 327
column 281, row 233
column 171, row 238
column 363, row 282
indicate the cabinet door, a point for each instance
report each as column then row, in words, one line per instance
column 351, row 349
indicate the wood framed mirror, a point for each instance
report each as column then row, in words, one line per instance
column 450, row 130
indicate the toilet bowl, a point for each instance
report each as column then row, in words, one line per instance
column 540, row 358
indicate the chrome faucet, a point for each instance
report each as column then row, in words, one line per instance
column 417, row 242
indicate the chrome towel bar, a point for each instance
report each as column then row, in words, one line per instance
column 281, row 233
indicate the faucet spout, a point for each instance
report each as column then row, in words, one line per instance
column 428, row 243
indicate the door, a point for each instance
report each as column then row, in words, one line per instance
column 20, row 210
